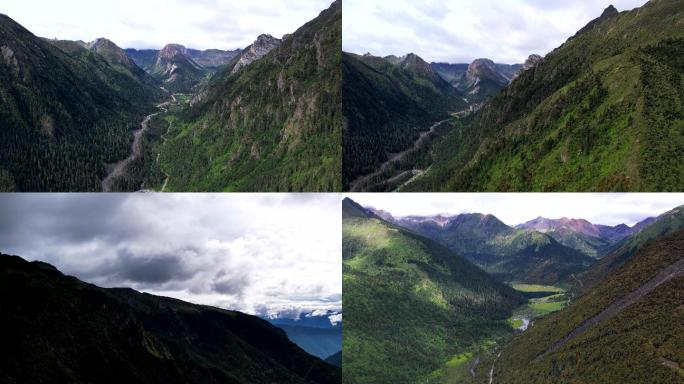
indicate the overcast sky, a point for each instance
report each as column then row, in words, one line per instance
column 517, row 208
column 459, row 31
column 201, row 24
column 257, row 253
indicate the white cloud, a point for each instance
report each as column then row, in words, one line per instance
column 516, row 208
column 459, row 31
column 257, row 253
column 200, row 24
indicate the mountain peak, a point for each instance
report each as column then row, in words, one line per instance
column 608, row 12
column 171, row 50
column 531, row 61
column 261, row 47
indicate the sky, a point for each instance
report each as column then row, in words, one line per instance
column 264, row 254
column 200, row 24
column 517, row 208
column 459, row 31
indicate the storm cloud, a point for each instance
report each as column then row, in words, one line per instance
column 200, row 24
column 259, row 253
column 506, row 31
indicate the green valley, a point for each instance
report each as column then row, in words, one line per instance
column 442, row 299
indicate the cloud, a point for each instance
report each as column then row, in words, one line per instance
column 506, row 31
column 222, row 24
column 516, row 208
column 251, row 252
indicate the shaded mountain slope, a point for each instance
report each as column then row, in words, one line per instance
column 64, row 114
column 629, row 329
column 410, row 303
column 387, row 103
column 176, row 69
column 602, row 112
column 275, row 125
column 57, row 329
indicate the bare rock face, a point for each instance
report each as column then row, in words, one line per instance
column 531, row 61
column 109, row 50
column 262, row 46
column 9, row 58
column 170, row 51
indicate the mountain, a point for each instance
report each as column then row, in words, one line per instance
column 274, row 125
column 320, row 342
column 209, row 59
column 174, row 67
column 212, row 58
column 648, row 230
column 480, row 79
column 56, row 328
column 627, row 329
column 412, row 305
column 67, row 111
column 387, row 104
column 592, row 240
column 314, row 333
column 512, row 254
column 602, row 112
column 261, row 46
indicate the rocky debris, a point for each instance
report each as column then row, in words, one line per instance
column 260, row 48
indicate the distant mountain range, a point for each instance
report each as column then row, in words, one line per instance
column 315, row 333
column 56, row 328
column 482, row 78
column 543, row 251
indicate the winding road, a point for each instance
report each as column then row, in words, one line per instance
column 136, row 148
column 358, row 183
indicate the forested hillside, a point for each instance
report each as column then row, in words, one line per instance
column 412, row 307
column 273, row 125
column 387, row 103
column 628, row 329
column 65, row 114
column 602, row 112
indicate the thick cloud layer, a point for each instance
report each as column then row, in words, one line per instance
column 507, row 31
column 201, row 24
column 516, row 208
column 259, row 253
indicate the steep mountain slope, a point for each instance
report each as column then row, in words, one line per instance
column 480, row 79
column 410, row 304
column 602, row 112
column 629, row 329
column 387, row 103
column 64, row 114
column 56, row 329
column 176, row 69
column 663, row 225
column 274, row 125
column 143, row 58
column 511, row 254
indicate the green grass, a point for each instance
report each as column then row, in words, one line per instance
column 515, row 323
column 536, row 288
column 546, row 307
